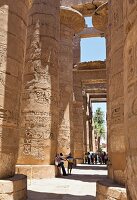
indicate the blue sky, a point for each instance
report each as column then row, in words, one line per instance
column 93, row 49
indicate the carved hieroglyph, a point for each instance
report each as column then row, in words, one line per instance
column 71, row 22
column 115, row 71
column 130, row 82
column 39, row 125
column 12, row 46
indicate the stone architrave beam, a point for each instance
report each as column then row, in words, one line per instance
column 91, row 32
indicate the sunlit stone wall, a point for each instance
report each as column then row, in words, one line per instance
column 13, row 22
column 130, row 83
column 39, row 124
column 115, row 72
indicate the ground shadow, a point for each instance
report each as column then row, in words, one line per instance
column 32, row 195
column 85, row 177
column 92, row 167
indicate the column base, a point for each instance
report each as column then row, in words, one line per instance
column 14, row 188
column 37, row 171
column 107, row 189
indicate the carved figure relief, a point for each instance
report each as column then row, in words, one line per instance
column 117, row 114
column 117, row 15
column 33, row 144
column 131, row 68
column 9, row 116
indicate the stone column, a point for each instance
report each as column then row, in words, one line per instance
column 13, row 22
column 86, row 122
column 78, row 124
column 76, row 49
column 71, row 22
column 89, row 124
column 39, row 125
column 130, row 94
column 115, row 70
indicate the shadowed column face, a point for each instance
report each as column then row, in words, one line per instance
column 39, row 125
column 71, row 22
column 13, row 17
column 130, row 83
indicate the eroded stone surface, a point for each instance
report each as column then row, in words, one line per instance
column 130, row 109
column 39, row 122
column 115, row 72
column 106, row 189
column 14, row 188
column 13, row 19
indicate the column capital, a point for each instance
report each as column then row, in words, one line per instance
column 100, row 17
column 72, row 18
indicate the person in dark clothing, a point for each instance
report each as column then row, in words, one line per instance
column 70, row 163
column 92, row 158
column 88, row 158
column 62, row 164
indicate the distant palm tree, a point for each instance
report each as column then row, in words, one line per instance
column 99, row 125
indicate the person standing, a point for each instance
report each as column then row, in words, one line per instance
column 88, row 158
column 70, row 163
column 62, row 164
column 57, row 163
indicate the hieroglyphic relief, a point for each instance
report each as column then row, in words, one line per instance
column 41, row 96
column 132, row 100
column 9, row 116
column 130, row 60
column 117, row 114
column 34, row 144
column 117, row 90
column 117, row 14
column 38, row 119
column 3, row 60
column 3, row 56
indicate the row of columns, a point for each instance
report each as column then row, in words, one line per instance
column 36, row 80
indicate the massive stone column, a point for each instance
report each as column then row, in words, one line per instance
column 86, row 122
column 13, row 22
column 115, row 70
column 71, row 22
column 130, row 95
column 78, row 124
column 39, row 124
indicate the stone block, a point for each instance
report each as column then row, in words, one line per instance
column 14, row 188
column 108, row 190
column 37, row 171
